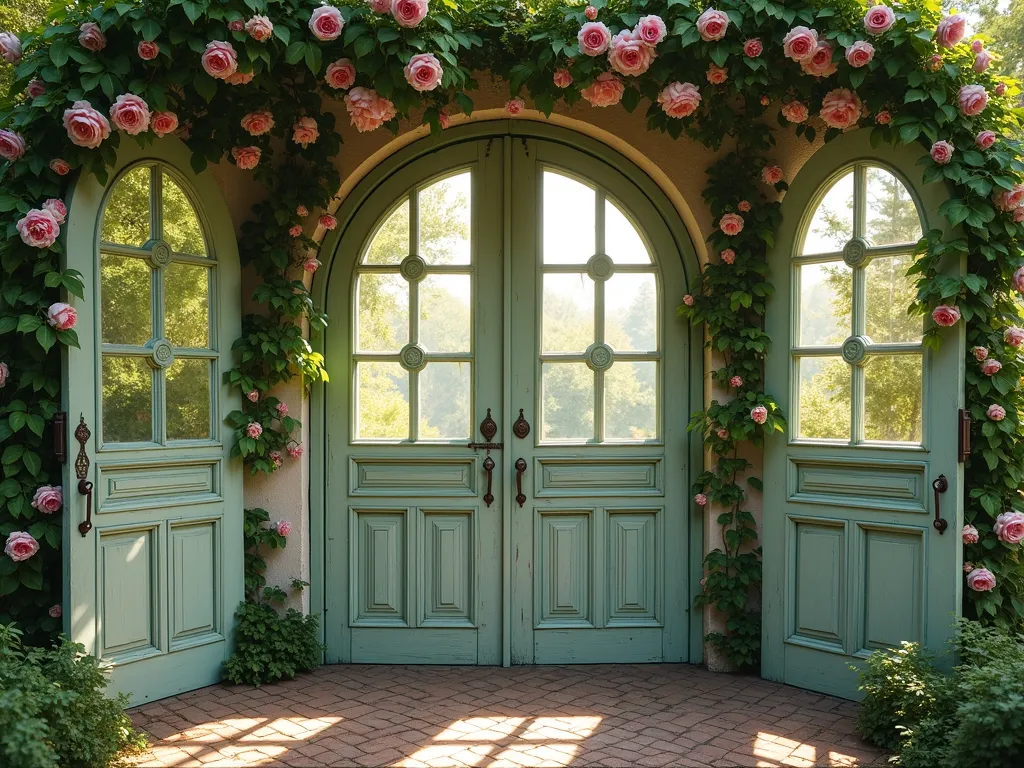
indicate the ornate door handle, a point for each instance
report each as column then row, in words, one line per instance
column 82, row 435
column 520, row 471
column 489, row 469
column 939, row 485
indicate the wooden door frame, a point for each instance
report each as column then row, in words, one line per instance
column 500, row 131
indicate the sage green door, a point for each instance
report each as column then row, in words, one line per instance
column 439, row 550
column 853, row 561
column 152, row 585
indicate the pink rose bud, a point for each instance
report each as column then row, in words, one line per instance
column 295, row 230
column 950, row 30
column 743, row 206
column 295, row 451
column 969, row 534
column 258, row 123
column 1018, row 215
column 60, row 167
column 712, row 25
column 1018, row 280
column 765, row 101
column 985, row 139
column 977, row 46
column 20, row 546
column 991, row 367
column 736, row 381
column 254, row 429
column 688, row 300
column 1014, row 336
column 1009, row 527
column 379, row 6
column 284, row 528
column 409, row 13
column 795, row 111
column 752, row 48
column 62, row 316
column 252, row 395
column 305, row 132
column 878, row 19
column 341, row 75
column 981, row 580
column 945, row 315
column 5, row 373
column 973, row 99
column 246, row 158
column 717, row 75
column 723, row 434
column 38, row 228
column 731, row 224
column 148, row 50
column 935, row 63
column 514, row 106
column 942, row 152
column 48, row 499
column 759, row 414
column 996, row 412
column 980, row 353
column 679, row 99
column 55, row 611
column 91, row 38
column 326, row 23
column 968, row 566
column 35, row 88
column 590, row 12
column 276, row 459
column 800, row 43
column 728, row 255
column 593, row 38
column 883, row 117
column 1000, row 89
column 327, row 221
column 312, row 264
column 982, row 61
column 282, row 410
column 302, row 211
column 562, row 78
column 700, row 500
column 236, row 26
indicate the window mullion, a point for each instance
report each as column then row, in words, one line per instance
column 156, row 217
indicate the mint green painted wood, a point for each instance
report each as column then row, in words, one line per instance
column 153, row 587
column 851, row 560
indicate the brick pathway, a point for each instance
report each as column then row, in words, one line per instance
column 413, row 717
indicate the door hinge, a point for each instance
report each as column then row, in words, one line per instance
column 964, row 437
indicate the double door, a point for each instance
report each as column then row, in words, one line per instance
column 506, row 464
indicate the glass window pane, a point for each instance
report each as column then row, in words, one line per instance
column 126, row 217
column 188, row 399
column 390, row 243
column 631, row 312
column 891, row 213
column 180, row 222
column 125, row 290
column 127, row 400
column 832, row 225
column 383, row 301
column 622, row 241
column 187, row 305
column 567, row 402
column 383, row 401
column 444, row 401
column 445, row 220
column 630, row 401
column 826, row 303
column 824, row 397
column 568, row 323
column 888, row 294
column 892, row 398
column 445, row 302
column 568, row 220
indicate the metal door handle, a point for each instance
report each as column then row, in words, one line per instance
column 520, row 471
column 82, row 435
column 940, row 486
column 489, row 469
column 85, row 488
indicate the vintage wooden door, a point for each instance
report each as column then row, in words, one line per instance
column 853, row 560
column 154, row 546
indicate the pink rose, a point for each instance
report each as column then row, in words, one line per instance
column 759, row 414
column 12, row 145
column 991, row 367
column 935, row 63
column 879, row 19
column 795, row 111
column 295, row 451
column 57, row 209
column 55, row 611
column 164, row 123
column 942, row 152
column 883, row 117
column 736, row 381
column 590, row 12
column 688, row 300
column 1009, row 527
column 1014, row 336
column 85, row 126
column 969, row 534
column 327, row 221
column 562, row 78
column 5, row 373
column 800, row 43
column 62, row 316
column 605, row 91
column 276, row 459
column 514, row 106
column 841, row 108
column 985, row 139
column 1000, row 89
column 679, row 99
column 743, row 206
column 368, row 110
column 326, row 23
column 295, row 230
column 973, row 100
column 723, row 434
column 771, row 174
column 996, row 412
column 977, row 46
column 90, row 37
column 1018, row 280
column 305, row 132
column 20, row 546
column 423, row 72
column 650, row 29
column 259, row 28
column 752, row 48
column 594, row 38
column 48, row 499
column 252, row 395
column 341, row 74
column 982, row 61
column 860, row 53
column 311, row 264
column 379, row 6
column 236, row 26
column 60, row 167
column 35, row 88
column 444, row 120
column 731, row 224
column 717, row 75
column 246, row 158
column 819, row 63
column 282, row 410
column 283, row 527
column 254, row 429
column 981, row 580
column 409, row 13
column 728, row 255
column 630, row 55
column 38, row 228
column 980, row 353
column 700, row 500
column 950, row 30
column 148, row 50
column 945, row 315
column 220, row 60
column 10, row 47
column 239, row 78
column 712, row 25
column 130, row 113
column 1009, row 199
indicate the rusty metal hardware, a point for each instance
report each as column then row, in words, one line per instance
column 520, row 470
column 521, row 428
column 940, row 485
column 489, row 469
column 82, row 435
column 60, row 437
column 488, row 428
column 964, row 437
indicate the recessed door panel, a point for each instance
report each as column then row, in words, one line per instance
column 129, row 618
column 378, row 563
column 893, row 590
column 818, row 582
column 448, row 568
column 564, row 569
column 634, row 568
column 194, row 583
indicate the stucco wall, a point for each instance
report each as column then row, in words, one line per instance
column 676, row 165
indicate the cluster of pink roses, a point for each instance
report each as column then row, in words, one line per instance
column 630, row 53
column 40, row 227
column 408, row 13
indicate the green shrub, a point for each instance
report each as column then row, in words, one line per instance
column 53, row 711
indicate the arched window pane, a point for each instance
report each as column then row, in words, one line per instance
column 180, row 222
column 622, row 242
column 891, row 214
column 568, row 220
column 832, row 225
column 631, row 312
column 126, row 219
column 390, row 243
column 126, row 316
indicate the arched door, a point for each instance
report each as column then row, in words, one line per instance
column 504, row 479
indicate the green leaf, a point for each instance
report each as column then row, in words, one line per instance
column 314, row 58
column 59, row 53
column 46, row 337
column 294, row 53
column 28, row 323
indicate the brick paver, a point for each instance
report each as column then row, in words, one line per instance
column 487, row 717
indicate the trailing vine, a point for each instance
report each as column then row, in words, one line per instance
column 254, row 81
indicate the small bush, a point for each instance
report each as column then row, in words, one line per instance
column 53, row 711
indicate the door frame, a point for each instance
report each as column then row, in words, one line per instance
column 501, row 130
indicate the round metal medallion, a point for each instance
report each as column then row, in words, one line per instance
column 162, row 355
column 160, row 254
column 413, row 357
column 413, row 268
column 599, row 357
column 855, row 349
column 600, row 267
column 855, row 252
